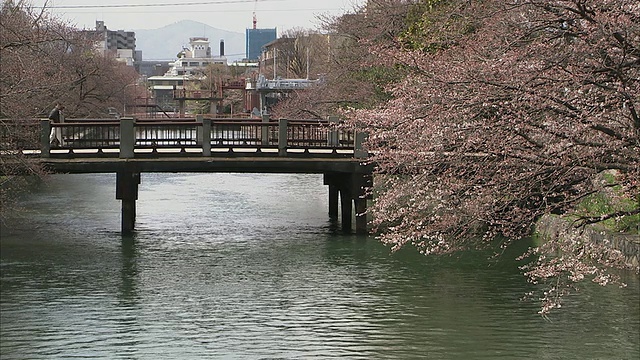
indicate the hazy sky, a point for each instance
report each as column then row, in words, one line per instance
column 232, row 15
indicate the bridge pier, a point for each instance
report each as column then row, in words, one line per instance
column 346, row 207
column 127, row 190
column 351, row 189
column 333, row 201
column 347, row 177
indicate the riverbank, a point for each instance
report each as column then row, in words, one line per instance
column 553, row 227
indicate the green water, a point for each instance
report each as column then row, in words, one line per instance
column 248, row 266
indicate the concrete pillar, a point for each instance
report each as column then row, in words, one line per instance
column 333, row 201
column 333, row 140
column 347, row 209
column 361, row 215
column 359, row 185
column 359, row 152
column 265, row 131
column 127, row 138
column 282, row 137
column 45, row 132
column 350, row 189
column 206, row 137
column 199, row 130
column 127, row 190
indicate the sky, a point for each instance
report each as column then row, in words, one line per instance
column 231, row 15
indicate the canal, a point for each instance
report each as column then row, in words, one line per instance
column 248, row 266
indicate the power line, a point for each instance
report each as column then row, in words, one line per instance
column 87, row 11
column 154, row 5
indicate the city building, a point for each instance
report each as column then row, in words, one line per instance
column 119, row 44
column 256, row 39
column 170, row 89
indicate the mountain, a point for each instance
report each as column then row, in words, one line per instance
column 165, row 43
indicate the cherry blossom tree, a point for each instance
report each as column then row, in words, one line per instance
column 508, row 111
column 485, row 116
column 44, row 60
column 351, row 78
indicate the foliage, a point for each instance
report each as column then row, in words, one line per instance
column 601, row 207
column 434, row 25
column 510, row 116
column 45, row 61
column 352, row 78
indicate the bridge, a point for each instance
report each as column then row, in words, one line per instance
column 129, row 147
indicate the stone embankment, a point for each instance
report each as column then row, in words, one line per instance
column 554, row 227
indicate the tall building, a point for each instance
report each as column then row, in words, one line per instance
column 120, row 43
column 119, row 39
column 256, row 39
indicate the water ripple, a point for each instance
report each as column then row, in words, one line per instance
column 230, row 266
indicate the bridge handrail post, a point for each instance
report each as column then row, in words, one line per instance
column 282, row 137
column 359, row 151
column 332, row 141
column 127, row 138
column 265, row 131
column 206, row 137
column 199, row 130
column 45, row 132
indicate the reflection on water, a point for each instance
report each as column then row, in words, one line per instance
column 249, row 266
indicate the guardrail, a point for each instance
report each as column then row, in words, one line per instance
column 203, row 134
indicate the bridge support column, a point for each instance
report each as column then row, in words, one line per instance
column 352, row 190
column 359, row 185
column 361, row 215
column 346, row 205
column 127, row 190
column 333, row 201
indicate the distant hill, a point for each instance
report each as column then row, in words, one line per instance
column 165, row 43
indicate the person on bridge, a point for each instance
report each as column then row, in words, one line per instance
column 55, row 116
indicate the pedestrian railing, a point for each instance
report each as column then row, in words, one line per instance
column 203, row 136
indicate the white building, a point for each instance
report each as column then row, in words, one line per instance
column 196, row 57
column 188, row 66
column 119, row 44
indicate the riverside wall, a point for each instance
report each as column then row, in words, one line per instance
column 554, row 227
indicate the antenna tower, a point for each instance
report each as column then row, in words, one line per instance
column 255, row 18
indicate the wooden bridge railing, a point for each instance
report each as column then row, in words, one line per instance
column 127, row 134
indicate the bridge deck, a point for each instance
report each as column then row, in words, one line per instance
column 129, row 148
column 195, row 145
column 245, row 164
